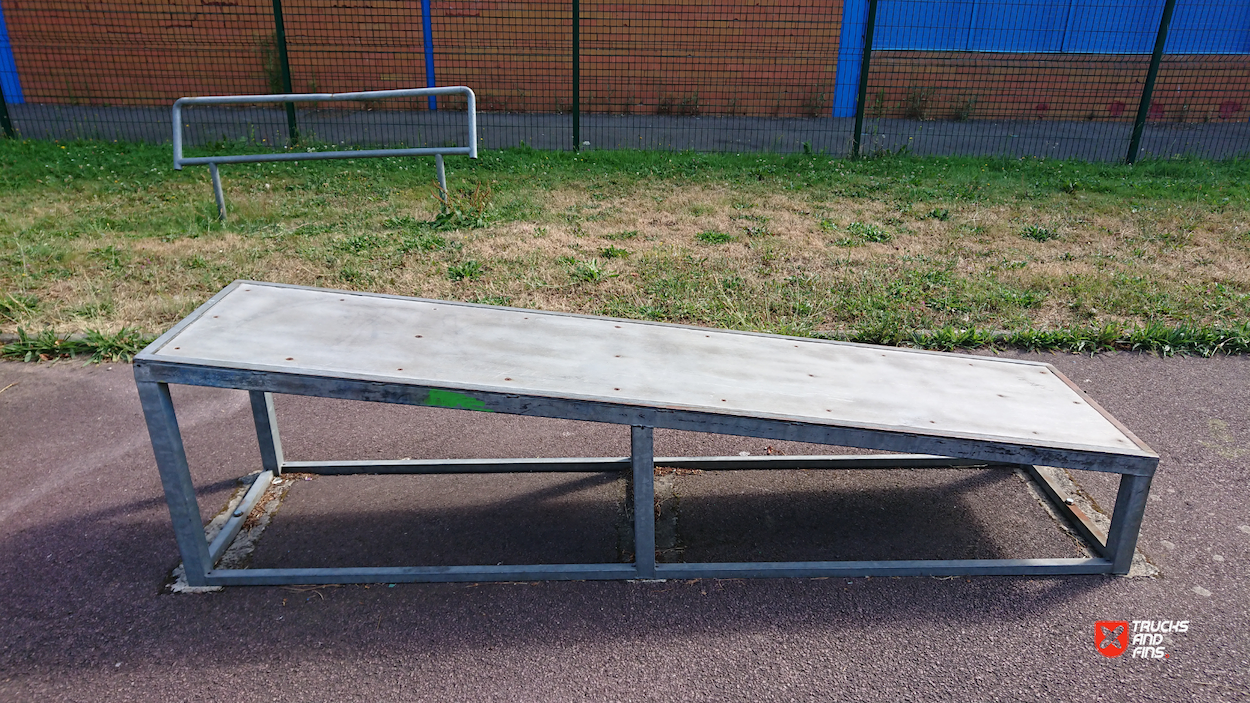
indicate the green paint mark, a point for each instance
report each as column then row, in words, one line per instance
column 450, row 399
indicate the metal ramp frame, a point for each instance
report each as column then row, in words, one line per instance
column 946, row 410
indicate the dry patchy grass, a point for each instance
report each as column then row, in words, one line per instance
column 743, row 256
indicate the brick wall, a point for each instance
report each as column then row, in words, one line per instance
column 138, row 52
column 742, row 57
column 775, row 57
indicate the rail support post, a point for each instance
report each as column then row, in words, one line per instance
column 221, row 198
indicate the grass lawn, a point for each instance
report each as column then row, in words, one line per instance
column 938, row 251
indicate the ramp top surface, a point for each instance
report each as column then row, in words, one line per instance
column 460, row 346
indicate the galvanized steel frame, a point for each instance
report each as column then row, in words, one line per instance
column 289, row 98
column 153, row 374
column 1114, row 552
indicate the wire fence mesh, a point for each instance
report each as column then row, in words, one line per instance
column 1047, row 78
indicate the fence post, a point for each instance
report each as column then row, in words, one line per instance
column 284, row 65
column 858, row 137
column 427, row 36
column 577, row 76
column 5, row 123
column 1147, row 91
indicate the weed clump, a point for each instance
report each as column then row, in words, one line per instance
column 463, row 208
column 422, row 241
column 467, row 269
column 713, row 237
column 588, row 271
column 1038, row 233
column 863, row 233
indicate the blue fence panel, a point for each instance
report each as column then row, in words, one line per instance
column 1113, row 26
column 926, row 25
column 9, row 83
column 1030, row 26
column 1210, row 27
column 1052, row 26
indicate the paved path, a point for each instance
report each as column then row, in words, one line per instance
column 85, row 551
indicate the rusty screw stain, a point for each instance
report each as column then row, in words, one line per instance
column 290, row 358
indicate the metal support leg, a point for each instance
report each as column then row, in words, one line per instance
column 642, row 459
column 441, row 172
column 266, row 419
column 221, row 198
column 1130, row 505
column 171, row 460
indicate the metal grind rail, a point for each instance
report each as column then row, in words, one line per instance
column 940, row 410
column 290, row 98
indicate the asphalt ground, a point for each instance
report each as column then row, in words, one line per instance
column 86, row 551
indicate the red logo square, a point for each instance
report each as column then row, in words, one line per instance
column 1111, row 637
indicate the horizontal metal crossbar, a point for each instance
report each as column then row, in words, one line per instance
column 607, row 464
column 924, row 567
column 320, row 97
column 536, row 572
column 596, row 411
column 420, row 574
column 315, row 155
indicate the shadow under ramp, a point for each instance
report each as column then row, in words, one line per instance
column 729, row 516
column 445, row 520
column 861, row 516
